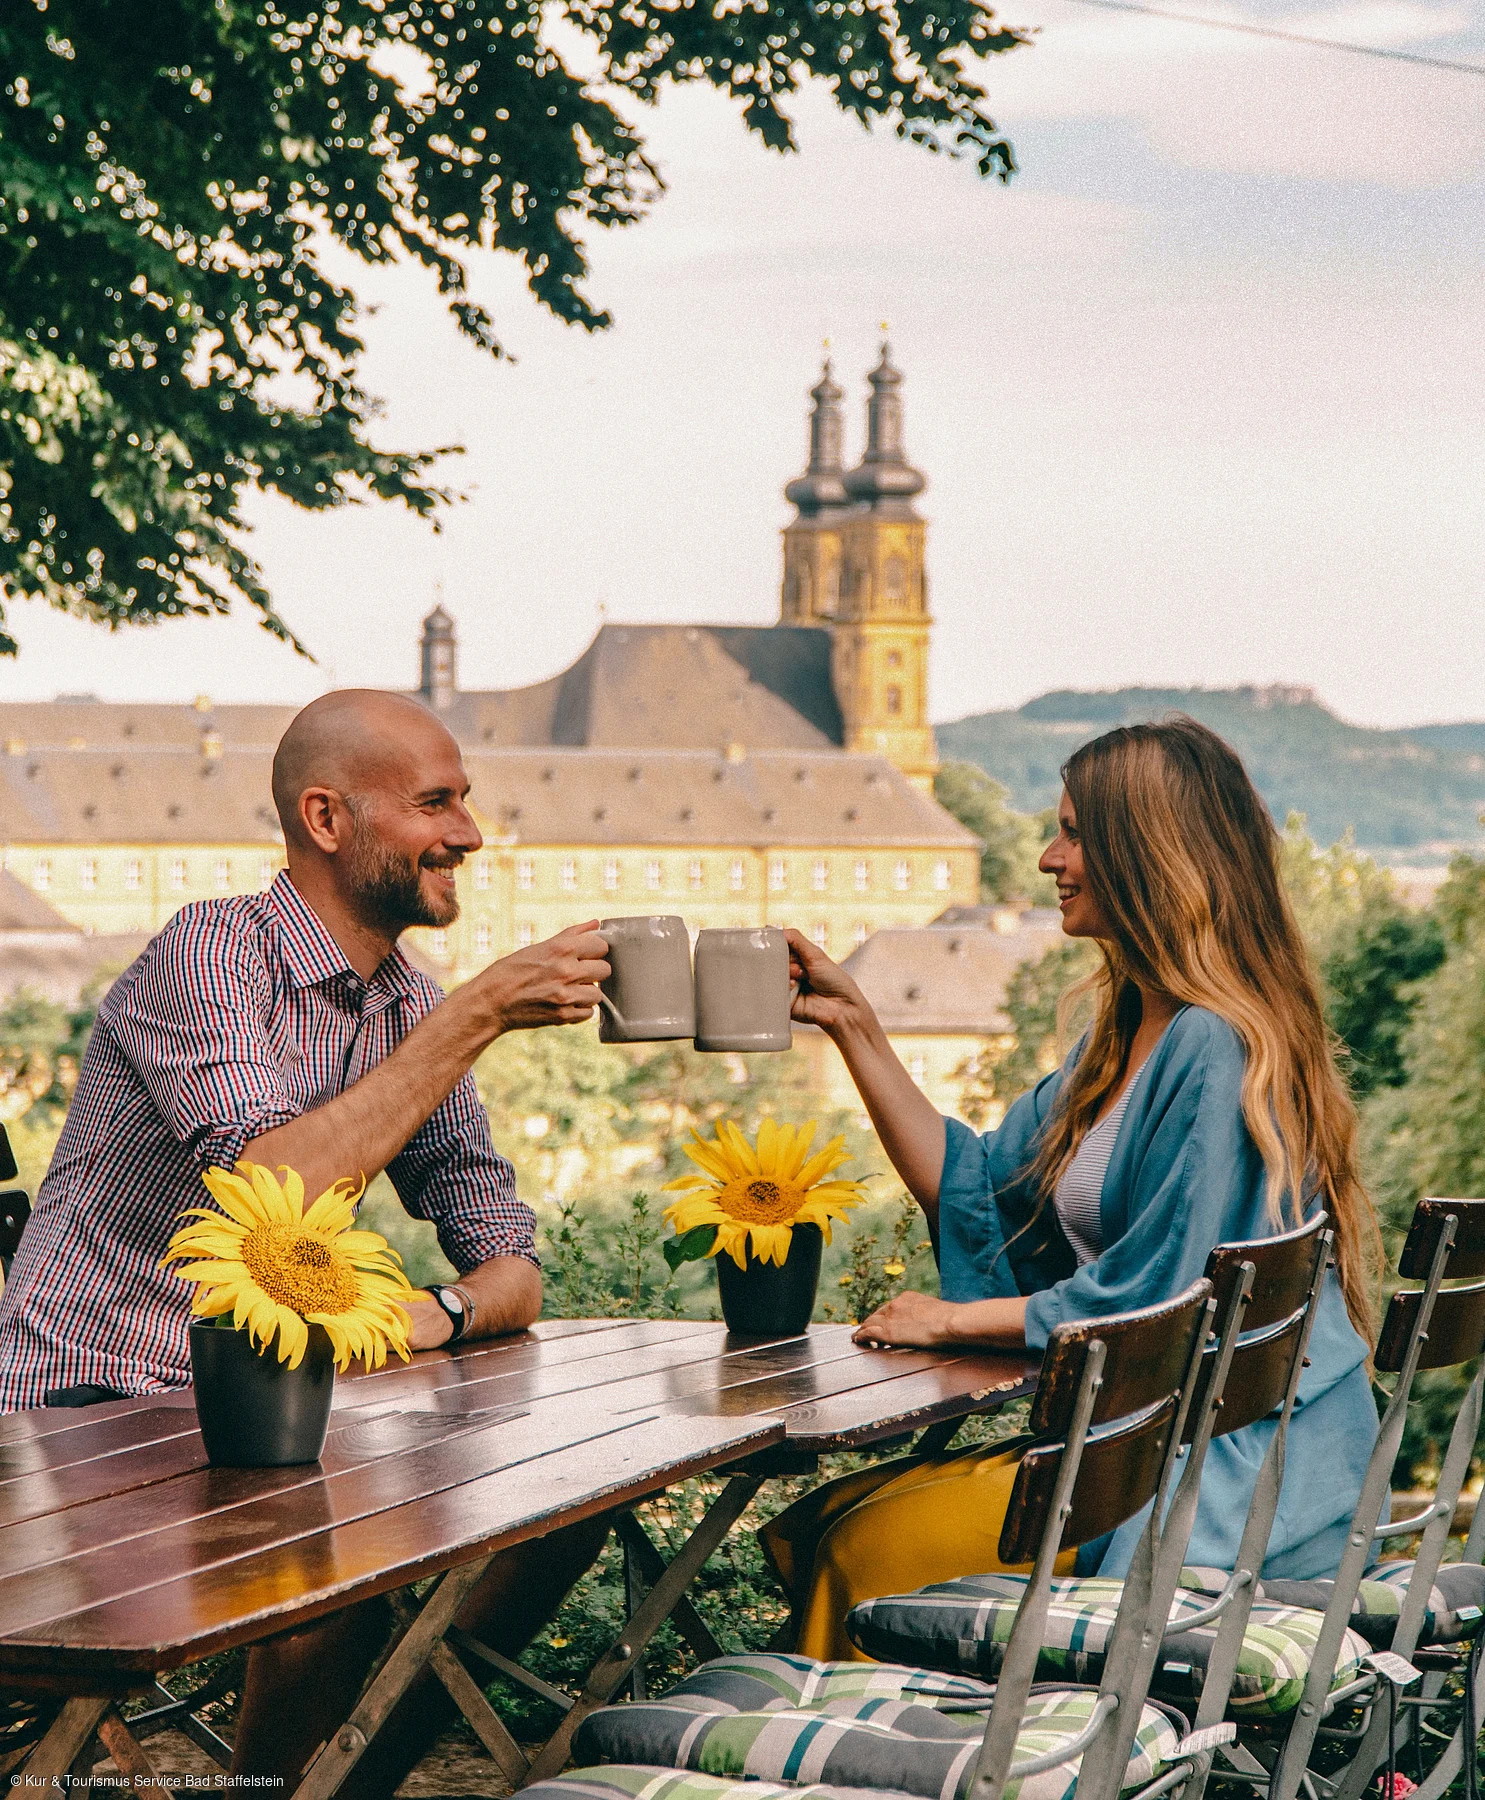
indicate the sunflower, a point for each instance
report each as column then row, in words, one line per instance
column 278, row 1268
column 760, row 1193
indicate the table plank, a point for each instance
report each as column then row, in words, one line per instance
column 179, row 1620
column 909, row 1402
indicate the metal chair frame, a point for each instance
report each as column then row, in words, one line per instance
column 1431, row 1253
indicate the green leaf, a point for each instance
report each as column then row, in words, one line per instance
column 696, row 1244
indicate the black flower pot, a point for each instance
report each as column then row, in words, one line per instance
column 254, row 1411
column 764, row 1300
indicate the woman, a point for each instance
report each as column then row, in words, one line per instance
column 1203, row 1106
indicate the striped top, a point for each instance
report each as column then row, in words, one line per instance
column 241, row 1015
column 1079, row 1192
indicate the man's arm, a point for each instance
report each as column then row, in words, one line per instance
column 506, row 1291
column 362, row 1130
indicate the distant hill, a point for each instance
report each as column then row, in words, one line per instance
column 1419, row 789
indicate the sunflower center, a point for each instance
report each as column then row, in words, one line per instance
column 760, row 1202
column 298, row 1270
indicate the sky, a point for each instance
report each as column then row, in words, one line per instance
column 1198, row 395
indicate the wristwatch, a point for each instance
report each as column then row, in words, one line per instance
column 456, row 1306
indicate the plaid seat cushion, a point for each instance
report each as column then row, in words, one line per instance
column 1456, row 1601
column 850, row 1725
column 964, row 1625
column 630, row 1781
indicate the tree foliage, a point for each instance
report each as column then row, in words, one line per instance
column 172, row 173
column 1013, row 841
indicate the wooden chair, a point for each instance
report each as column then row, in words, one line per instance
column 1111, row 1413
column 1426, row 1327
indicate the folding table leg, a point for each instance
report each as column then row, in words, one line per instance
column 398, row 1672
column 607, row 1674
column 129, row 1755
column 484, row 1721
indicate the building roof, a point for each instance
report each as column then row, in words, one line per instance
column 150, row 795
column 669, row 687
column 23, row 910
column 535, row 796
column 63, row 965
column 946, row 980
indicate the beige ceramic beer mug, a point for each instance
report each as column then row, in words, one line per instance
column 648, row 997
column 742, row 989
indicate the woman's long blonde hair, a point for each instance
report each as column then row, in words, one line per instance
column 1182, row 858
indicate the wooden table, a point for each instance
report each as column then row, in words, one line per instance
column 122, row 1554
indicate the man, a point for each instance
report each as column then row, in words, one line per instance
column 288, row 1028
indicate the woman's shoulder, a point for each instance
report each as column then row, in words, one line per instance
column 1198, row 1037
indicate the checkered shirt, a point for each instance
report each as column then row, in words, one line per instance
column 241, row 1015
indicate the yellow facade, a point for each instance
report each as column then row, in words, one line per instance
column 513, row 894
column 110, row 888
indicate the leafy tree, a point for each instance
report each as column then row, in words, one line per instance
column 172, row 173
column 1013, row 841
column 1369, row 950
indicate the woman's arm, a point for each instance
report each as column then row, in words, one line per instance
column 925, row 1323
column 910, row 1127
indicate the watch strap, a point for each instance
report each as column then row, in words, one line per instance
column 454, row 1304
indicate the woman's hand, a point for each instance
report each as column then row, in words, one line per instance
column 827, row 996
column 910, row 1319
column 926, row 1323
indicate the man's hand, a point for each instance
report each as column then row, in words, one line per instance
column 909, row 1319
column 551, row 983
column 431, row 1325
column 827, row 995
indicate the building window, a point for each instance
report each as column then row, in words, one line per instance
column 41, row 874
column 820, row 933
column 863, row 877
column 221, row 874
column 177, row 874
column 610, row 873
column 902, row 876
column 941, row 876
column 819, row 875
column 482, row 873
column 917, row 1068
column 778, row 876
column 859, row 933
column 652, row 874
column 482, row 940
column 736, row 876
column 525, row 874
column 894, row 698
column 266, row 873
column 525, row 933
column 133, row 875
column 438, row 944
column 694, row 873
column 894, row 659
column 569, row 875
column 87, row 873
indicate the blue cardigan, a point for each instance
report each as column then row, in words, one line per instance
column 1185, row 1175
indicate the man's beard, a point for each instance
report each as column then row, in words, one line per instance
column 387, row 885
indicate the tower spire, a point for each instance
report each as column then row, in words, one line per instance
column 821, row 486
column 885, row 479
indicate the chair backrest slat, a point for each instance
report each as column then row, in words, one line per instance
column 1456, row 1329
column 1119, row 1474
column 15, row 1209
column 1145, row 1356
column 1284, row 1270
column 1466, row 1254
column 8, row 1169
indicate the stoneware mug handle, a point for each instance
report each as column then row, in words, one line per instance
column 614, row 1013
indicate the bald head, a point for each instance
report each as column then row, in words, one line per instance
column 355, row 741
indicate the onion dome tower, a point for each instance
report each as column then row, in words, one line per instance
column 880, row 654
column 885, row 478
column 812, row 550
column 437, row 663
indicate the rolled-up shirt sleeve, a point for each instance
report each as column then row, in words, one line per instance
column 196, row 1030
column 451, row 1174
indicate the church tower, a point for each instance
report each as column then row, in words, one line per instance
column 880, row 620
column 437, row 649
column 812, row 541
